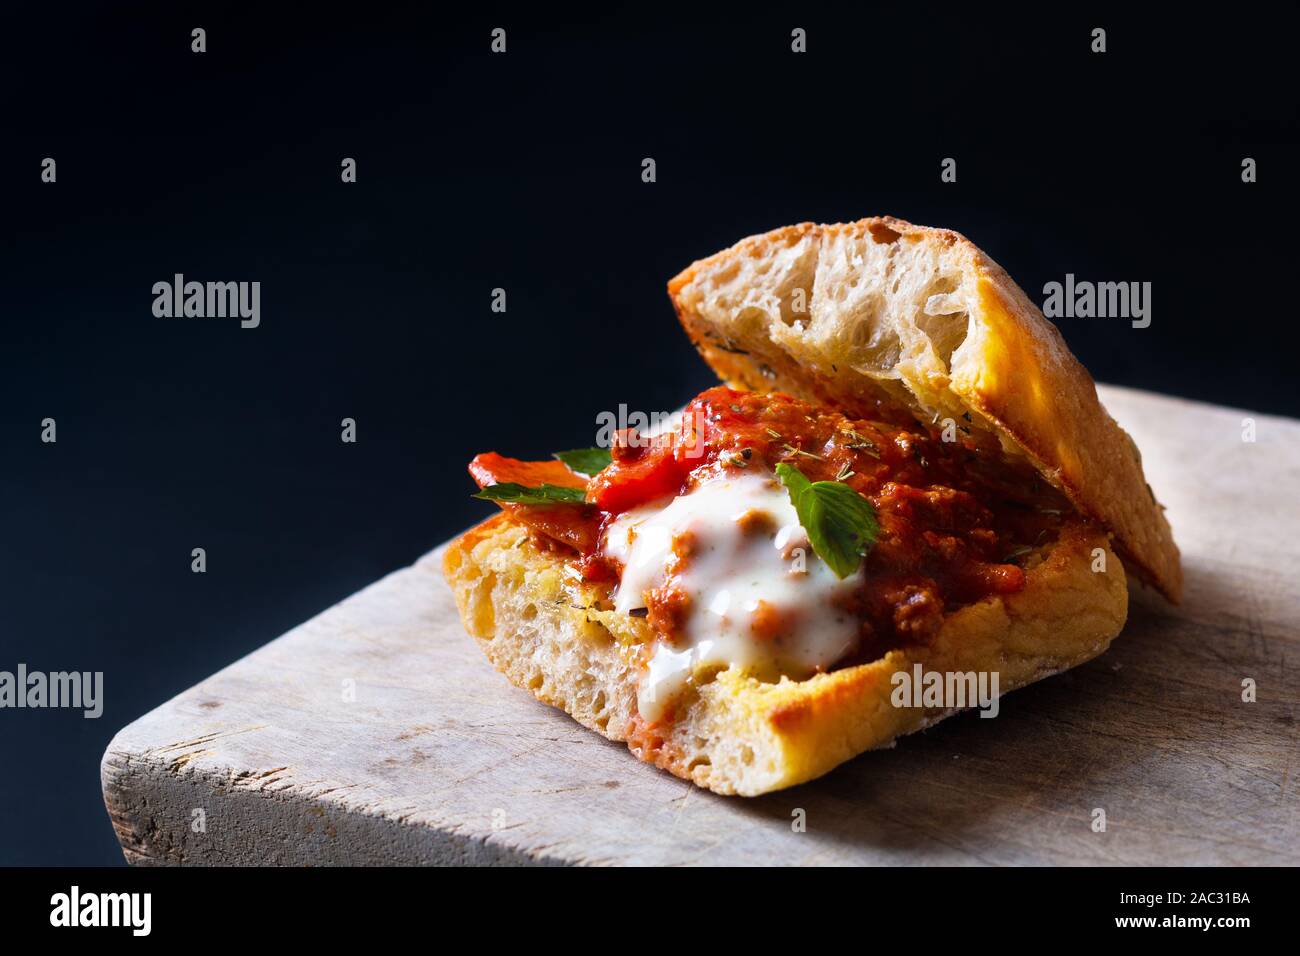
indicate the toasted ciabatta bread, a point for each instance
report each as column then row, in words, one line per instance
column 848, row 313
column 741, row 735
column 912, row 325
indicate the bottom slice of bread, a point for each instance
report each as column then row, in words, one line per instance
column 735, row 734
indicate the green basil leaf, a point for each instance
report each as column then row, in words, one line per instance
column 585, row 461
column 518, row 494
column 795, row 481
column 841, row 524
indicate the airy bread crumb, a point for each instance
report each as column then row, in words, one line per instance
column 735, row 733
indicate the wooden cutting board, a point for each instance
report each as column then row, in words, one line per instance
column 377, row 733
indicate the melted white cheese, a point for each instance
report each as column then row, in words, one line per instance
column 733, row 565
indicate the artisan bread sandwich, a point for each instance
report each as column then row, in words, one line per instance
column 904, row 472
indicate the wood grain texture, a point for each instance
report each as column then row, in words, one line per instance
column 439, row 760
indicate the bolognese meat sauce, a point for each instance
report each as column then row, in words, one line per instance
column 954, row 520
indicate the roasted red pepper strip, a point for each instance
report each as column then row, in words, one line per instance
column 639, row 475
column 490, row 468
column 577, row 526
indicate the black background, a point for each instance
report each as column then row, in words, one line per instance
column 519, row 171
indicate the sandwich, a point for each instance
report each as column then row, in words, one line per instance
column 903, row 471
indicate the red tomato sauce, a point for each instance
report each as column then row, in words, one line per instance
column 955, row 520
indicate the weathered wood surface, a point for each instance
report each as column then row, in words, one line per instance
column 438, row 760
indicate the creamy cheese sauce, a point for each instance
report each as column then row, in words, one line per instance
column 757, row 596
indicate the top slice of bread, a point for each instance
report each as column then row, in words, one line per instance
column 883, row 310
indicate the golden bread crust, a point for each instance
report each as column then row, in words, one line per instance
column 881, row 309
column 736, row 734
